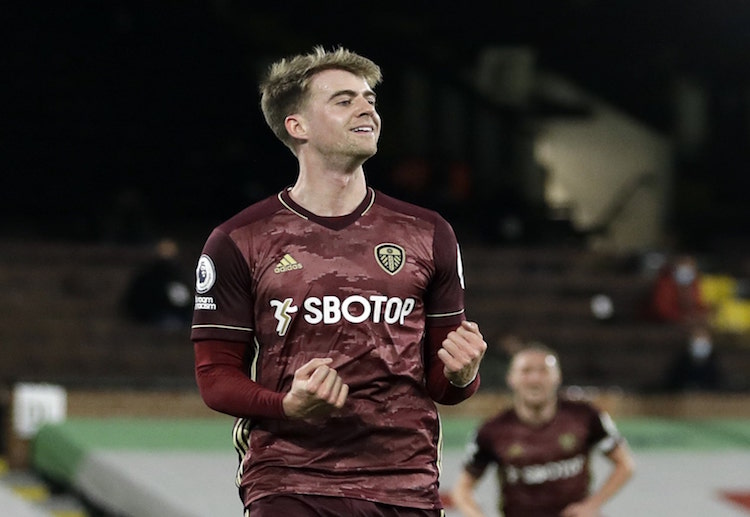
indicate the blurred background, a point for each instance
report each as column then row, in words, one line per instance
column 155, row 103
column 582, row 149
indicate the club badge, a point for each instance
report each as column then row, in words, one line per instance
column 390, row 257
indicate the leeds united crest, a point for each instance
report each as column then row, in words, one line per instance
column 390, row 257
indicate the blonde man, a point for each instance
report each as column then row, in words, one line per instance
column 330, row 317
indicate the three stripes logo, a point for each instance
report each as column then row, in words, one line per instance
column 287, row 263
column 390, row 257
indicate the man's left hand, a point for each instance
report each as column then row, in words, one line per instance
column 461, row 353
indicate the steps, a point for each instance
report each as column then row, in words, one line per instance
column 63, row 324
column 545, row 294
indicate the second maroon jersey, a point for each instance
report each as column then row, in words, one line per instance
column 360, row 289
column 542, row 469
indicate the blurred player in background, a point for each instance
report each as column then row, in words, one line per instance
column 329, row 318
column 541, row 447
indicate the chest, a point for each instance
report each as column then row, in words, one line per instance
column 524, row 446
column 361, row 261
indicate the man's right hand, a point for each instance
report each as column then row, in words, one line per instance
column 316, row 390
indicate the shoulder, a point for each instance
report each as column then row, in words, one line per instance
column 498, row 429
column 442, row 230
column 406, row 208
column 574, row 405
column 501, row 420
column 224, row 239
column 580, row 409
column 256, row 212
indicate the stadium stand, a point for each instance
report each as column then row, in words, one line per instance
column 62, row 322
column 546, row 294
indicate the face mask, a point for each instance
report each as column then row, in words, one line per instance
column 700, row 347
column 683, row 275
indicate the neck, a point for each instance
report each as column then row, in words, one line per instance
column 536, row 414
column 330, row 193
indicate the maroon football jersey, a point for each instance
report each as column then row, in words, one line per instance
column 542, row 469
column 359, row 289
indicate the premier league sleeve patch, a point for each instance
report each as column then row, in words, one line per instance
column 205, row 274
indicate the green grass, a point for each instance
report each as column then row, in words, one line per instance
column 60, row 448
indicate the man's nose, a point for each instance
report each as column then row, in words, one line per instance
column 365, row 106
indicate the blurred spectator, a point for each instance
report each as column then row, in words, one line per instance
column 696, row 367
column 676, row 296
column 161, row 292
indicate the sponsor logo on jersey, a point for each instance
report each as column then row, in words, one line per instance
column 287, row 263
column 204, row 303
column 390, row 257
column 541, row 473
column 205, row 274
column 332, row 309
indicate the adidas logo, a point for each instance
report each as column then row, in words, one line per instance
column 287, row 264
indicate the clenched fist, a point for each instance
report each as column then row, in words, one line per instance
column 316, row 390
column 461, row 353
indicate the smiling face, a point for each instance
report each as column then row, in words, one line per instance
column 534, row 376
column 339, row 119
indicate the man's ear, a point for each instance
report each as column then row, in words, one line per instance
column 296, row 127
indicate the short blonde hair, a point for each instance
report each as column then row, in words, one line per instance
column 285, row 88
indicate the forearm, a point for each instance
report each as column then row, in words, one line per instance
column 438, row 385
column 443, row 392
column 227, row 390
column 463, row 496
column 468, row 507
column 610, row 487
column 624, row 467
column 224, row 387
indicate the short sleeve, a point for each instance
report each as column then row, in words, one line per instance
column 477, row 455
column 223, row 303
column 604, row 433
column 444, row 302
